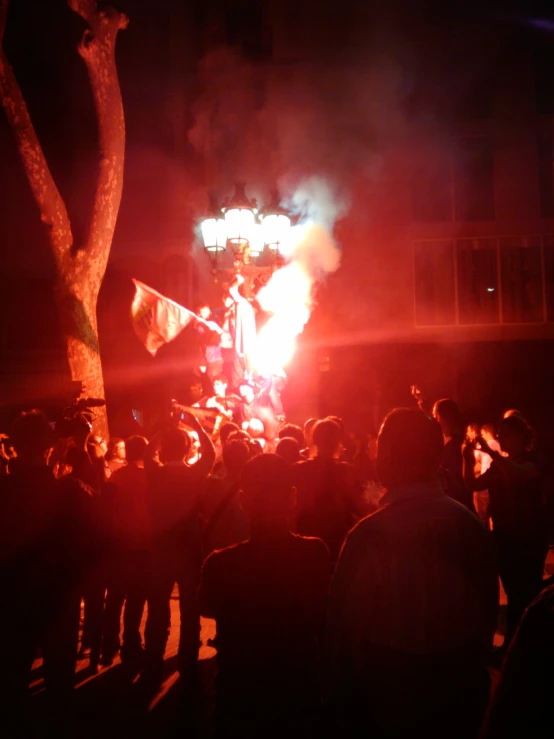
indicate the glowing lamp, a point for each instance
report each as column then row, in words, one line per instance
column 276, row 224
column 256, row 241
column 214, row 234
column 276, row 228
column 240, row 216
column 237, row 226
column 239, row 223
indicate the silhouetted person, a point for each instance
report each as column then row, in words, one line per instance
column 174, row 491
column 267, row 596
column 126, row 504
column 517, row 512
column 413, row 602
column 289, row 449
column 447, row 413
column 227, row 428
column 291, row 430
column 522, row 702
column 115, row 457
column 226, row 521
column 48, row 542
column 208, row 336
column 330, row 497
column 309, row 450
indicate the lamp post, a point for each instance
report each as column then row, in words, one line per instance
column 253, row 237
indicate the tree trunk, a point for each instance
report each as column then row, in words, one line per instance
column 77, row 311
column 80, row 269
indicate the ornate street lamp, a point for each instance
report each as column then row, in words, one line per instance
column 276, row 224
column 240, row 228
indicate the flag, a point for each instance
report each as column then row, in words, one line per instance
column 157, row 319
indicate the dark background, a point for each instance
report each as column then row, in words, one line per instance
column 363, row 79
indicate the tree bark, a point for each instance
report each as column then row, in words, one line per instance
column 79, row 269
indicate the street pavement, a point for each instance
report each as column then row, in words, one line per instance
column 109, row 703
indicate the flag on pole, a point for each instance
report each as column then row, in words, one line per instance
column 157, row 320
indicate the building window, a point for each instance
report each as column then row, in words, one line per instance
column 474, row 180
column 521, row 276
column 477, row 273
column 546, row 172
column 484, row 281
column 459, row 186
column 434, row 283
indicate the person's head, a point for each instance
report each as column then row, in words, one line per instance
column 239, row 434
column 116, row 448
column 220, row 385
column 308, row 430
column 290, row 430
column 267, row 492
column 255, row 446
column 289, row 449
column 246, row 392
column 204, row 311
column 472, row 431
column 225, row 430
column 447, row 413
column 236, row 454
column 327, row 436
column 100, row 444
column 195, row 391
column 135, row 449
column 515, row 436
column 194, row 445
column 514, row 412
column 488, row 432
column 175, row 445
column 338, row 421
column 32, row 437
column 409, row 448
column 97, row 449
column 256, row 428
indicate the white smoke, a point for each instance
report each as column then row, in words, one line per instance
column 315, row 200
column 316, row 206
column 312, row 253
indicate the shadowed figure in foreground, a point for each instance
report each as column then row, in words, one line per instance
column 267, row 596
column 518, row 514
column 522, row 702
column 413, row 602
column 48, row 543
column 173, row 494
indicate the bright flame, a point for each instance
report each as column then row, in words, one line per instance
column 311, row 254
column 288, row 296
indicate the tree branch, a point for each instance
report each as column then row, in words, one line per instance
column 52, row 208
column 97, row 48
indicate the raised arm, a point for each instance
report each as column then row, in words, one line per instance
column 515, row 471
column 207, row 450
column 151, row 460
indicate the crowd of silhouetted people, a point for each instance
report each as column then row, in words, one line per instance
column 354, row 581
